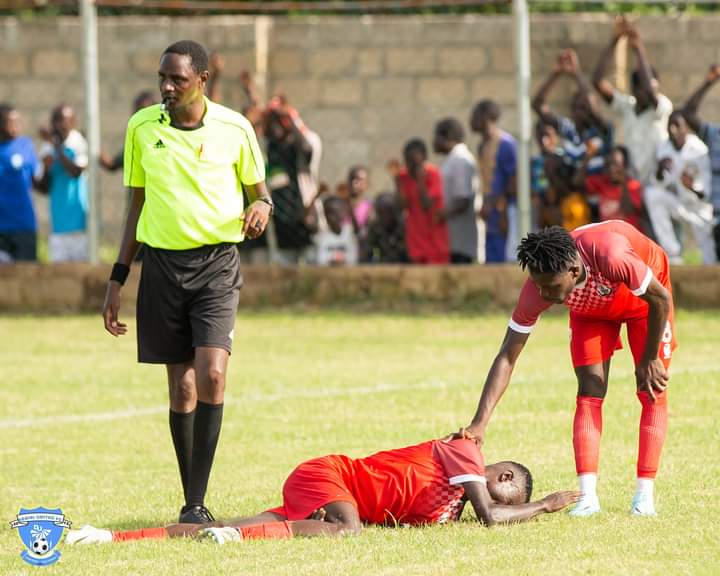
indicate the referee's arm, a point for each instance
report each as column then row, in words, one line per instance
column 128, row 248
column 258, row 212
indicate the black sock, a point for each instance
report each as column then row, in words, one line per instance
column 181, row 429
column 208, row 419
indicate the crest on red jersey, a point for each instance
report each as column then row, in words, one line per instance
column 603, row 290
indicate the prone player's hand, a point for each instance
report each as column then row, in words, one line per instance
column 559, row 500
column 651, row 377
column 256, row 219
column 111, row 308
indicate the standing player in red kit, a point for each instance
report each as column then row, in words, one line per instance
column 428, row 483
column 607, row 274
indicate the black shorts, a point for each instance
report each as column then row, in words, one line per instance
column 186, row 299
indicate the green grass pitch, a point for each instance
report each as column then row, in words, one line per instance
column 84, row 428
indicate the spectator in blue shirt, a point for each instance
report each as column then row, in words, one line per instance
column 18, row 163
column 710, row 134
column 64, row 156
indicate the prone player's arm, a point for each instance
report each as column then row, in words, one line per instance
column 128, row 248
column 497, row 380
column 490, row 513
column 650, row 372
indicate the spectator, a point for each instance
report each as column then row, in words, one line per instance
column 498, row 159
column 459, row 186
column 619, row 195
column 710, row 134
column 360, row 207
column 644, row 113
column 18, row 164
column 289, row 155
column 335, row 242
column 64, row 156
column 386, row 233
column 585, row 131
column 142, row 100
column 551, row 175
column 680, row 191
column 419, row 187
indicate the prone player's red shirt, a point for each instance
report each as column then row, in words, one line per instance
column 419, row 484
column 619, row 263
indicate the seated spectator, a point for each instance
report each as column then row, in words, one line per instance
column 64, row 156
column 386, row 233
column 618, row 195
column 680, row 191
column 497, row 161
column 419, row 187
column 459, row 188
column 335, row 242
column 18, row 164
column 562, row 202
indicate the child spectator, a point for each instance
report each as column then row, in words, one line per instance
column 419, row 186
column 336, row 243
column 618, row 195
column 64, row 156
column 18, row 164
column 386, row 233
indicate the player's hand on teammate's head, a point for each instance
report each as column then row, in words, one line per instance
column 463, row 434
column 558, row 500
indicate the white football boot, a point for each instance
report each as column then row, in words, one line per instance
column 88, row 535
column 220, row 535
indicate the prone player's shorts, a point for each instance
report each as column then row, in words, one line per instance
column 187, row 299
column 315, row 483
column 593, row 340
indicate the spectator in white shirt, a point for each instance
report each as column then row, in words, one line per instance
column 335, row 243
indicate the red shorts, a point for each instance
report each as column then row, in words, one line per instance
column 593, row 340
column 315, row 483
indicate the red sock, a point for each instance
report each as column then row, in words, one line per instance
column 144, row 534
column 268, row 530
column 587, row 429
column 653, row 427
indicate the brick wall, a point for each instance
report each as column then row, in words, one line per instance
column 365, row 84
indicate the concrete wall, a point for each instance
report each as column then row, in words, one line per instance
column 72, row 288
column 366, row 84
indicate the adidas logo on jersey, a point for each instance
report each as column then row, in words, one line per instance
column 159, row 144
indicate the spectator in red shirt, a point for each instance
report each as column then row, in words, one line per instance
column 619, row 195
column 419, row 187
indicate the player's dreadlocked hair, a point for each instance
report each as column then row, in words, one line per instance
column 551, row 250
column 527, row 476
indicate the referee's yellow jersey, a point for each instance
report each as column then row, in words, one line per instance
column 192, row 178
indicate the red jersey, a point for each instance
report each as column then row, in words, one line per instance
column 426, row 235
column 419, row 484
column 609, row 198
column 619, row 264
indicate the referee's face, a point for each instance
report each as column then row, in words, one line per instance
column 180, row 85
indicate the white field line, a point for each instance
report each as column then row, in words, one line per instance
column 277, row 396
column 245, row 398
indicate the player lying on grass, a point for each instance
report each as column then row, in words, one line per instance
column 424, row 484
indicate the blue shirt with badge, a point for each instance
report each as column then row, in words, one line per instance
column 18, row 163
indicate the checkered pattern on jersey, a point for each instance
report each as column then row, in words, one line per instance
column 597, row 294
column 444, row 501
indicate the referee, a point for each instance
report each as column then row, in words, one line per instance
column 187, row 161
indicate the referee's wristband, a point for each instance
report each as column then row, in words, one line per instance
column 119, row 273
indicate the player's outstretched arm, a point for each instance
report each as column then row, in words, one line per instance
column 650, row 373
column 128, row 248
column 490, row 513
column 497, row 381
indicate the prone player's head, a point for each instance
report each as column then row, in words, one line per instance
column 183, row 74
column 509, row 482
column 551, row 257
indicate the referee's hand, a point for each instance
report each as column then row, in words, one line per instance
column 256, row 219
column 111, row 308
